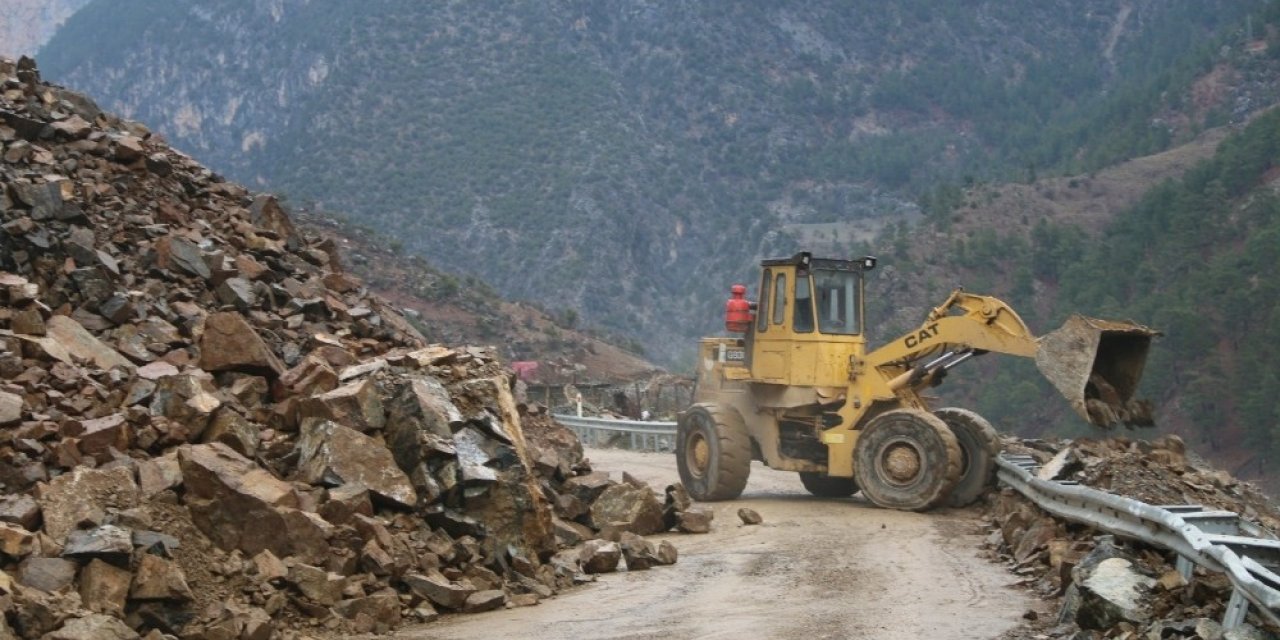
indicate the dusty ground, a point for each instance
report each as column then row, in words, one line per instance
column 815, row 569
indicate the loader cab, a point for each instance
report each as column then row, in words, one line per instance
column 809, row 320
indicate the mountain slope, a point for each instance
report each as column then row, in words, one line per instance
column 629, row 159
column 460, row 311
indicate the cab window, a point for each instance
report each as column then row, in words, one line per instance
column 802, row 320
column 780, row 298
column 837, row 302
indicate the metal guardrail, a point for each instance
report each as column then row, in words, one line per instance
column 640, row 435
column 1217, row 540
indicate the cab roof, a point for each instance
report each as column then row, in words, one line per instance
column 806, row 260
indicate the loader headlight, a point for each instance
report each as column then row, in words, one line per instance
column 868, row 263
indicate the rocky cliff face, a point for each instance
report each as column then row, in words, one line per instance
column 25, row 25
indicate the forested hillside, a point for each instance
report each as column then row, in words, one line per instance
column 629, row 160
column 1195, row 257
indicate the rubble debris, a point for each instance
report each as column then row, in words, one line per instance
column 208, row 430
column 749, row 516
column 1113, row 588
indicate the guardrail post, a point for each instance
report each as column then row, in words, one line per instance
column 1185, row 568
column 1237, row 609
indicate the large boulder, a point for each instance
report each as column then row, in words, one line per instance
column 514, row 510
column 628, row 508
column 420, row 407
column 334, row 455
column 1107, row 589
column 240, row 505
column 229, row 343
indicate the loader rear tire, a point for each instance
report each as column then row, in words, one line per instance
column 906, row 459
column 713, row 453
column 825, row 486
column 979, row 448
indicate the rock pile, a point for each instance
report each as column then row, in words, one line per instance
column 1121, row 589
column 209, row 430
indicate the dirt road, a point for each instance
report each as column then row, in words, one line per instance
column 815, row 569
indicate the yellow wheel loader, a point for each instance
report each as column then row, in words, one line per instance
column 799, row 390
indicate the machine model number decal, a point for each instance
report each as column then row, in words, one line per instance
column 737, row 355
column 922, row 336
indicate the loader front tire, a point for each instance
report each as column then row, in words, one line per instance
column 825, row 486
column 979, row 447
column 713, row 453
column 906, row 459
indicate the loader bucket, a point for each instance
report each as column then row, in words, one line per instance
column 1097, row 364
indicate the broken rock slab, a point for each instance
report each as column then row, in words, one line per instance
column 158, row 474
column 333, row 455
column 438, row 589
column 600, row 556
column 382, row 607
column 107, row 542
column 47, row 574
column 10, row 408
column 94, row 626
column 586, row 488
column 322, row 587
column 66, row 340
column 15, row 541
column 20, row 509
column 104, row 587
column 637, row 553
column 83, row 496
column 356, row 405
column 185, row 399
column 159, row 579
column 234, row 430
column 487, row 600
